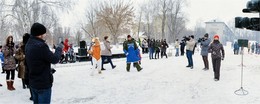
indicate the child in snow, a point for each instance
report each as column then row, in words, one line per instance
column 95, row 51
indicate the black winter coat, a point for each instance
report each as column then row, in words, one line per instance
column 39, row 59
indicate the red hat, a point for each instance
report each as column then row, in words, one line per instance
column 216, row 36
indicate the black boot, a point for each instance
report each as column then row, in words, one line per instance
column 23, row 82
column 3, row 71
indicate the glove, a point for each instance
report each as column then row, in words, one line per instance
column 222, row 58
column 61, row 45
column 126, row 54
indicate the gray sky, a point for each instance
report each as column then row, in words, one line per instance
column 196, row 11
column 224, row 10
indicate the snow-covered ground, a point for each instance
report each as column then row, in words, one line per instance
column 162, row 81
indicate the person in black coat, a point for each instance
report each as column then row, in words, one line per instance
column 183, row 43
column 39, row 58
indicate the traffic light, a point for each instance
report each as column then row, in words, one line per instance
column 252, row 6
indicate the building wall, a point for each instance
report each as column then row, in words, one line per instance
column 219, row 28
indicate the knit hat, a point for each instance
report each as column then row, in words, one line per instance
column 216, row 37
column 37, row 29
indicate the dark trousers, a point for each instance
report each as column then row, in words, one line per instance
column 8, row 73
column 206, row 62
column 108, row 59
column 138, row 67
column 41, row 96
column 182, row 51
column 216, row 62
column 163, row 53
column 189, row 57
column 156, row 54
column 3, row 70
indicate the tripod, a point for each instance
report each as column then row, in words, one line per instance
column 241, row 91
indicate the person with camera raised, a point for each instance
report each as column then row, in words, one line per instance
column 190, row 44
column 204, row 44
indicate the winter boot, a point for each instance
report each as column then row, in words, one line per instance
column 128, row 67
column 1, row 85
column 138, row 67
column 12, row 85
column 23, row 83
column 8, row 85
column 3, row 71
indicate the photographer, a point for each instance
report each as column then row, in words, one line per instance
column 190, row 44
column 204, row 44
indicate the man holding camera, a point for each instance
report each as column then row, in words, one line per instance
column 190, row 45
column 204, row 44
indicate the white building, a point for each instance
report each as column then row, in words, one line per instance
column 220, row 28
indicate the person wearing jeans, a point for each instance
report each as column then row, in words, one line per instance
column 189, row 51
column 39, row 58
column 106, row 53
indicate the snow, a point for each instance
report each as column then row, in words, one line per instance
column 162, row 81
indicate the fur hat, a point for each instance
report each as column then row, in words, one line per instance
column 37, row 29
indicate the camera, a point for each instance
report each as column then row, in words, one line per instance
column 201, row 39
column 186, row 38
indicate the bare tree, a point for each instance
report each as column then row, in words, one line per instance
column 26, row 12
column 3, row 22
column 116, row 16
column 175, row 18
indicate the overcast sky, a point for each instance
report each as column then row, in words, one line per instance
column 207, row 10
column 196, row 10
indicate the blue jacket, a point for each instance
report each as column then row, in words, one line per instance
column 205, row 47
column 2, row 57
column 131, row 51
column 39, row 59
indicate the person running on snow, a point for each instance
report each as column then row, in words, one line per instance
column 131, row 51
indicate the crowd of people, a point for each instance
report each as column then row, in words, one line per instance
column 37, row 75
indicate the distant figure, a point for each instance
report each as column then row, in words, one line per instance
column 132, row 53
column 236, row 48
column 164, row 47
column 177, row 46
column 2, row 59
column 157, row 48
column 217, row 54
column 182, row 44
column 144, row 46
